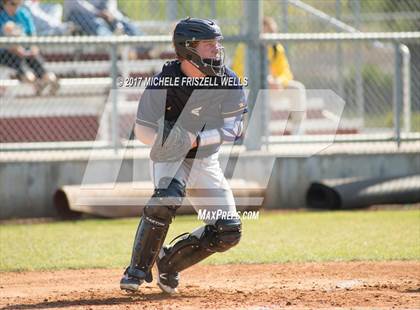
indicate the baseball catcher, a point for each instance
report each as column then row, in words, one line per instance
column 186, row 124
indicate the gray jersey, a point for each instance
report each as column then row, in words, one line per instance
column 196, row 108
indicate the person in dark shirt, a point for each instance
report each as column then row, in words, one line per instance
column 205, row 98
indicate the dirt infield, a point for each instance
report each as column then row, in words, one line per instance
column 272, row 286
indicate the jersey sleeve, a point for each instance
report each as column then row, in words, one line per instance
column 234, row 103
column 151, row 107
column 230, row 131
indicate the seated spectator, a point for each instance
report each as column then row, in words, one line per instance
column 279, row 74
column 47, row 18
column 99, row 17
column 15, row 20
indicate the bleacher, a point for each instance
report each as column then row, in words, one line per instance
column 74, row 113
column 318, row 120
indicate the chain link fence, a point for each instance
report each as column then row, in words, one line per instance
column 62, row 91
column 362, row 73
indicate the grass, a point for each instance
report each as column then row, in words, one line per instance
column 387, row 120
column 274, row 237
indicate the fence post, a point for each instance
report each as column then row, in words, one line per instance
column 397, row 93
column 359, row 66
column 406, row 86
column 339, row 54
column 114, row 98
column 285, row 23
column 253, row 11
column 171, row 10
column 213, row 9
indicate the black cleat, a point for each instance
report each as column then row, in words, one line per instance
column 167, row 282
column 129, row 282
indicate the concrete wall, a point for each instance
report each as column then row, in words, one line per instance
column 27, row 186
column 292, row 176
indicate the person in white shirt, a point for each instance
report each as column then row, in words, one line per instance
column 99, row 17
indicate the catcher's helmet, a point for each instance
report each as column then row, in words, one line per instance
column 196, row 29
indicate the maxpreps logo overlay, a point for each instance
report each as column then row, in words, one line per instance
column 206, row 215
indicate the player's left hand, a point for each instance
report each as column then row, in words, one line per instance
column 193, row 139
column 172, row 143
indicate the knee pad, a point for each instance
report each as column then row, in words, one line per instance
column 158, row 215
column 166, row 199
column 223, row 235
column 170, row 187
column 191, row 249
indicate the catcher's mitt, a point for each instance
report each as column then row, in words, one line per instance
column 172, row 143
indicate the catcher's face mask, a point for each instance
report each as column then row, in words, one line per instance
column 208, row 56
column 198, row 41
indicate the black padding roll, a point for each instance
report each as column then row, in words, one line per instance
column 359, row 193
